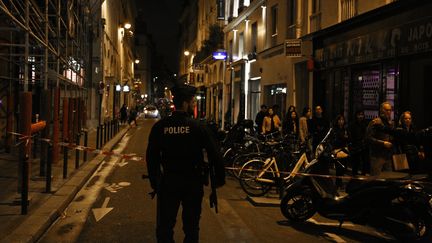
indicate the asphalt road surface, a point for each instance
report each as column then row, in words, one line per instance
column 114, row 206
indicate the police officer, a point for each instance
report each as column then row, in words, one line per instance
column 175, row 163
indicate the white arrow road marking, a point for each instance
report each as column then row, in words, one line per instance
column 122, row 163
column 99, row 213
column 335, row 238
column 113, row 188
column 88, row 196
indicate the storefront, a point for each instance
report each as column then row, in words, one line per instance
column 383, row 55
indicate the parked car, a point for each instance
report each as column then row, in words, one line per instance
column 150, row 111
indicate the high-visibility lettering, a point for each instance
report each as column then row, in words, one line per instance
column 177, row 130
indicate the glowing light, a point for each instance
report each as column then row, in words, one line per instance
column 127, row 26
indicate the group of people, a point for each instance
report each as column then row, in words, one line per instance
column 370, row 150
column 178, row 171
column 131, row 117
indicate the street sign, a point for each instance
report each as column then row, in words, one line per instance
column 293, row 48
column 219, row 55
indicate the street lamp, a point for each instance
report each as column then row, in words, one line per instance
column 137, row 61
column 127, row 25
column 186, row 53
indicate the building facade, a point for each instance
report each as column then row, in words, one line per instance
column 381, row 55
column 115, row 47
column 344, row 55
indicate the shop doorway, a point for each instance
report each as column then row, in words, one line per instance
column 276, row 95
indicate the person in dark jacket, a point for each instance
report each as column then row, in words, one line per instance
column 123, row 114
column 339, row 146
column 319, row 127
column 413, row 151
column 359, row 152
column 133, row 116
column 380, row 143
column 175, row 164
column 290, row 125
column 259, row 119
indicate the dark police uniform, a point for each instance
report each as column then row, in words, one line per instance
column 176, row 144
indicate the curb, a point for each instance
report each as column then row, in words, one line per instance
column 43, row 217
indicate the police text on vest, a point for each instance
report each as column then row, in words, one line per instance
column 176, row 130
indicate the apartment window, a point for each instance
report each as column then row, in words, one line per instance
column 241, row 45
column 231, row 8
column 254, row 37
column 291, row 18
column 292, row 11
column 348, row 9
column 274, row 19
column 230, row 50
column 274, row 22
column 315, row 6
column 315, row 16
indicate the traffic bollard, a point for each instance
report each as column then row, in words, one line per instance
column 109, row 130
column 85, row 145
column 49, row 168
column 77, row 153
column 24, row 185
column 101, row 135
column 105, row 133
column 112, row 128
column 97, row 136
column 65, row 162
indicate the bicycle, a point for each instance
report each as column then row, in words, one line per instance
column 257, row 177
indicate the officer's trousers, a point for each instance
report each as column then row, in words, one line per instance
column 189, row 195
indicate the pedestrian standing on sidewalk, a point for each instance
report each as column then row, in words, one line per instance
column 260, row 117
column 304, row 130
column 413, row 151
column 176, row 167
column 271, row 122
column 380, row 143
column 319, row 127
column 340, row 147
column 123, row 114
column 359, row 151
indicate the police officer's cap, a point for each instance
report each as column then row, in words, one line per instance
column 183, row 91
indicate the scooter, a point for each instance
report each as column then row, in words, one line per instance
column 402, row 208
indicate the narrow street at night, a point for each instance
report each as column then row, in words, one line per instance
column 114, row 206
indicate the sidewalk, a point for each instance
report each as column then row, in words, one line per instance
column 44, row 208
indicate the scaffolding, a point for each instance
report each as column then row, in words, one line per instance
column 45, row 47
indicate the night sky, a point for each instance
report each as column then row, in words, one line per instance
column 162, row 17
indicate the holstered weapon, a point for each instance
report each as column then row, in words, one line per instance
column 213, row 195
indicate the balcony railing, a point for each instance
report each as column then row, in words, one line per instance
column 315, row 21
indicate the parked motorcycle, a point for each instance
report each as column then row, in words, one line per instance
column 402, row 208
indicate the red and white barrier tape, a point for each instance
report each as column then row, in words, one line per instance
column 74, row 146
column 360, row 178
